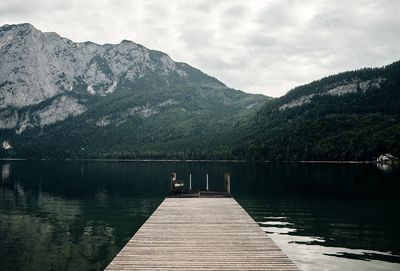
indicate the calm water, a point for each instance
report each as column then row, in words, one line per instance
column 78, row 215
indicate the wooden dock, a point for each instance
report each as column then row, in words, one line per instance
column 201, row 234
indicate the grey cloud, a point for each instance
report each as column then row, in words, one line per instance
column 215, row 63
column 236, row 11
column 208, row 5
column 257, row 39
column 196, row 37
column 158, row 9
column 277, row 14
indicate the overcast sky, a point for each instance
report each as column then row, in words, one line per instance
column 258, row 46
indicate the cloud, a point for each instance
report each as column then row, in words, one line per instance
column 260, row 46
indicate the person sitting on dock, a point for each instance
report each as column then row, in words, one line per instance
column 176, row 186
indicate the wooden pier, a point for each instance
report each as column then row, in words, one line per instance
column 201, row 234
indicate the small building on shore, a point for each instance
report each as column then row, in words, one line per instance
column 6, row 145
column 385, row 158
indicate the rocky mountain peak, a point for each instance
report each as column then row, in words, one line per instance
column 46, row 79
column 37, row 65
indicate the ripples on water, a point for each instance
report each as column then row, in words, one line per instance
column 331, row 235
column 78, row 215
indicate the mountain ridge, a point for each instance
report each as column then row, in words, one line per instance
column 116, row 95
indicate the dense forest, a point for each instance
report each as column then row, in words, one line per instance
column 358, row 125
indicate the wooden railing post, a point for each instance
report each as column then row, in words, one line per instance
column 172, row 182
column 227, row 182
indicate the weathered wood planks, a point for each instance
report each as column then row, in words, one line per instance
column 201, row 234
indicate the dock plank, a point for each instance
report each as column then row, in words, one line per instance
column 201, row 234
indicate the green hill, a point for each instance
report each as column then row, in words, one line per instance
column 349, row 116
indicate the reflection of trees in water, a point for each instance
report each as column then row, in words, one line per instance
column 5, row 172
column 86, row 179
column 316, row 181
column 48, row 232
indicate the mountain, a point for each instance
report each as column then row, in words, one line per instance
column 353, row 115
column 61, row 99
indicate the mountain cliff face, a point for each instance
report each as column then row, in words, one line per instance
column 37, row 66
column 349, row 116
column 59, row 98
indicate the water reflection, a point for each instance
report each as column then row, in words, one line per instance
column 78, row 215
column 330, row 235
column 386, row 167
column 318, row 257
column 51, row 221
column 47, row 232
column 5, row 172
column 278, row 230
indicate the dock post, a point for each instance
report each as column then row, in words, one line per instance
column 172, row 182
column 190, row 182
column 227, row 182
column 207, row 181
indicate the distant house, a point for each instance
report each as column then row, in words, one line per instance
column 385, row 158
column 6, row 145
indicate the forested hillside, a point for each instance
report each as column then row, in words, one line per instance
column 349, row 116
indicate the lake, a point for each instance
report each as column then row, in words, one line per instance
column 77, row 215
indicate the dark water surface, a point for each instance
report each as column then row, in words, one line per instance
column 70, row 215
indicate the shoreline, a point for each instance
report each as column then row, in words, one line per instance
column 334, row 162
column 197, row 161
